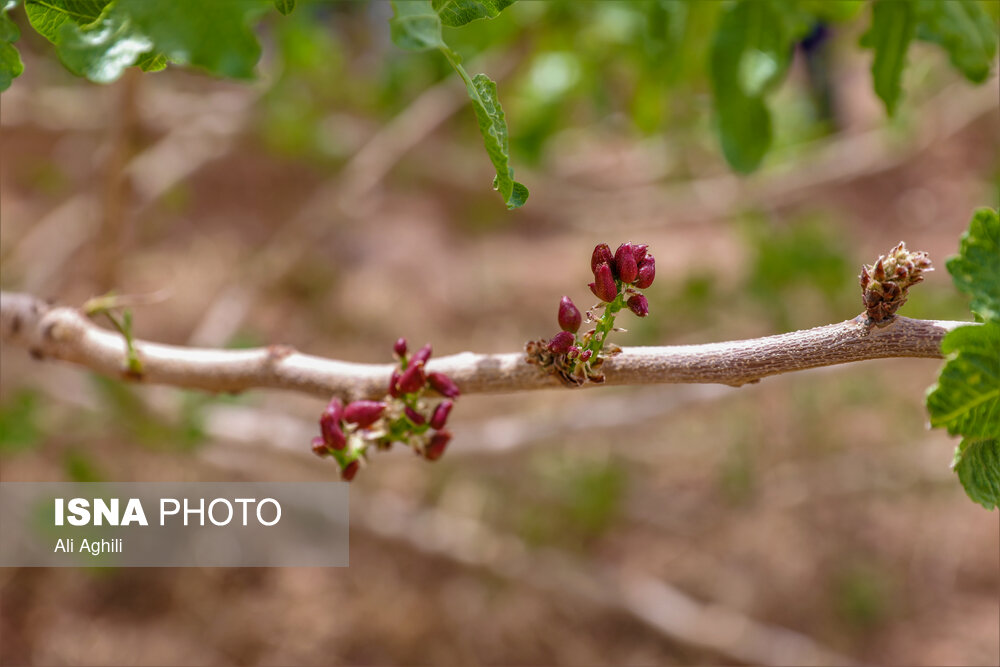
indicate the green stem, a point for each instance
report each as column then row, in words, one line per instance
column 605, row 325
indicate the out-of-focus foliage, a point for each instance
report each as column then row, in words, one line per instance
column 645, row 60
column 966, row 398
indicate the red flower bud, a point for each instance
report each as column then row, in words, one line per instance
column 422, row 355
column 638, row 305
column 602, row 255
column 604, row 287
column 628, row 270
column 639, row 251
column 329, row 426
column 363, row 413
column 569, row 315
column 647, row 271
column 394, row 384
column 444, row 385
column 400, row 347
column 414, row 416
column 319, row 447
column 350, row 470
column 586, row 355
column 561, row 342
column 412, row 379
column 441, row 413
column 435, row 448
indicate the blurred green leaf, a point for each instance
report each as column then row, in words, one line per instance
column 19, row 429
column 286, row 7
column 966, row 397
column 976, row 269
column 103, row 49
column 79, row 466
column 415, row 25
column 213, row 35
column 11, row 66
column 751, row 51
column 892, row 30
column 977, row 463
column 456, row 13
column 964, row 30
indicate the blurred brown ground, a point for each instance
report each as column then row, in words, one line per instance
column 816, row 502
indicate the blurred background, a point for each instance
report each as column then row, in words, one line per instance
column 343, row 199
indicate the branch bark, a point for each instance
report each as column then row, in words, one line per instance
column 65, row 333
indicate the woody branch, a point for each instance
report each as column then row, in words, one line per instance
column 65, row 333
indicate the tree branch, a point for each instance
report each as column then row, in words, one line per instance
column 66, row 334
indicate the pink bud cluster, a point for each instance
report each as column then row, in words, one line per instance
column 618, row 277
column 405, row 415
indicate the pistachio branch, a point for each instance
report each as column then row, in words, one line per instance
column 64, row 333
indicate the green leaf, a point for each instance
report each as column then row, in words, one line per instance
column 977, row 463
column 966, row 397
column 976, row 269
column 152, row 62
column 11, row 66
column 750, row 54
column 102, row 50
column 964, row 30
column 892, row 30
column 415, row 25
column 456, row 13
column 493, row 127
column 214, row 35
column 284, row 6
column 49, row 16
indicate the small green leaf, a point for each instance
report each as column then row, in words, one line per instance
column 456, row 13
column 964, row 30
column 284, row 6
column 493, row 127
column 415, row 25
column 152, row 62
column 102, row 50
column 11, row 66
column 976, row 269
column 750, row 54
column 892, row 30
column 966, row 397
column 977, row 463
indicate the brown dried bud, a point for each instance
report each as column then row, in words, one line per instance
column 363, row 413
column 440, row 415
column 569, row 315
column 884, row 284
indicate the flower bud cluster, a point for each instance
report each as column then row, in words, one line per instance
column 885, row 283
column 618, row 277
column 405, row 415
